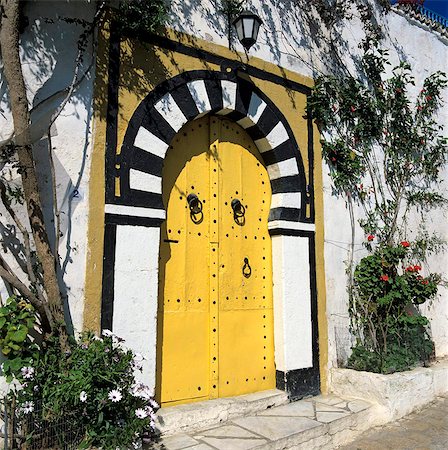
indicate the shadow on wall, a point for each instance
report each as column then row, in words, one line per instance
column 50, row 33
column 298, row 34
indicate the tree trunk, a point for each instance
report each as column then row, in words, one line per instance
column 9, row 40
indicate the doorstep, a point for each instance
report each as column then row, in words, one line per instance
column 196, row 416
column 322, row 422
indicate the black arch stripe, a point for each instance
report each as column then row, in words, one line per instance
column 182, row 96
column 266, row 123
column 154, row 122
column 214, row 92
column 285, row 213
column 279, row 153
column 140, row 198
column 146, row 162
column 287, row 184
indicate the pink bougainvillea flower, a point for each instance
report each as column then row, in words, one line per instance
column 429, row 98
column 419, row 107
column 370, row 237
column 425, row 282
column 405, row 244
column 384, row 278
column 352, row 108
column 417, row 268
column 410, row 269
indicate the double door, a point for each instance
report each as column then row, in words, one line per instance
column 215, row 316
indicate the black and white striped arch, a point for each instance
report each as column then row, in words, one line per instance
column 138, row 167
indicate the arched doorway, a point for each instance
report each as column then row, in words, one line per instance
column 215, row 313
column 135, row 212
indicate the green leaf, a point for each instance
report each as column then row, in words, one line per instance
column 20, row 335
column 2, row 321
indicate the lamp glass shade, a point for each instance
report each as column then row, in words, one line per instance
column 247, row 25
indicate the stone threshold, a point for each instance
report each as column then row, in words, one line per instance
column 322, row 422
column 195, row 416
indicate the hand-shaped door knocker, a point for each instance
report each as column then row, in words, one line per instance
column 195, row 205
column 247, row 270
column 238, row 212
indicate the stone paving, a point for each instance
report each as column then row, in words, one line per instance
column 287, row 426
column 423, row 430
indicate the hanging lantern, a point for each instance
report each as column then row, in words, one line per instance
column 247, row 25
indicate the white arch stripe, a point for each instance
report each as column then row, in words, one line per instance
column 150, row 143
column 277, row 136
column 142, row 181
column 199, row 93
column 137, row 211
column 170, row 111
column 256, row 108
column 228, row 96
column 282, row 169
column 286, row 200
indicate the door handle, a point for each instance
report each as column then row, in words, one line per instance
column 247, row 270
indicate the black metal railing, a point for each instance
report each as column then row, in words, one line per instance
column 418, row 6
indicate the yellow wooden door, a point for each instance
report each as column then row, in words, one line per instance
column 215, row 301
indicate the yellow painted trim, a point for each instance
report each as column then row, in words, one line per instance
column 95, row 230
column 95, row 238
column 219, row 50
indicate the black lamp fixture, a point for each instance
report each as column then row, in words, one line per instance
column 247, row 25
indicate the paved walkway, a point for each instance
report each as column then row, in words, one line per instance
column 423, row 430
column 311, row 423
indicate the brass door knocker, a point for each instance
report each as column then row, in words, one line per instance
column 238, row 211
column 195, row 205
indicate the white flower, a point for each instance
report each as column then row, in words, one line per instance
column 27, row 372
column 153, row 403
column 97, row 338
column 107, row 333
column 115, row 395
column 138, row 361
column 83, row 396
column 141, row 413
column 136, row 445
column 28, row 407
column 141, row 390
column 2, row 367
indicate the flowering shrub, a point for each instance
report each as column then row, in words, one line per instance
column 385, row 152
column 387, row 288
column 94, row 384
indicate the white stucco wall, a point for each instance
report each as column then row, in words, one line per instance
column 286, row 39
column 48, row 52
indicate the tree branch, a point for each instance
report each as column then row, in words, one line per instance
column 26, row 239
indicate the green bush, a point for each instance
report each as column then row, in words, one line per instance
column 392, row 335
column 17, row 320
column 93, row 384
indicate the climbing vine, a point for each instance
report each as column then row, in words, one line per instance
column 385, row 152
